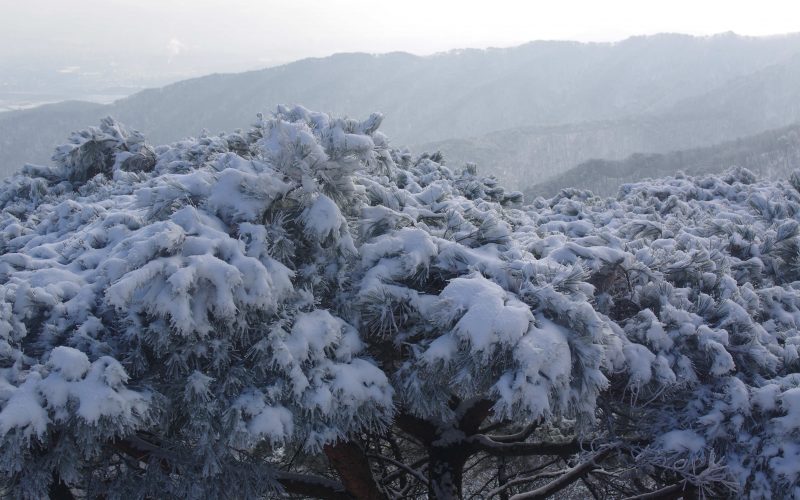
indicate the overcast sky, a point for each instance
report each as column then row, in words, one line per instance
column 265, row 32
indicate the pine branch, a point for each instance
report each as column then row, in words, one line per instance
column 522, row 480
column 420, row 429
column 400, row 465
column 297, row 483
column 474, row 415
column 494, row 426
column 673, row 491
column 569, row 477
column 485, row 443
column 312, row 486
column 518, row 436
column 394, row 475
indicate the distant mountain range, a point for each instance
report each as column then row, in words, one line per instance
column 765, row 99
column 524, row 114
column 771, row 155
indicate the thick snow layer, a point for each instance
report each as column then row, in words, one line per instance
column 484, row 315
column 301, row 282
column 97, row 389
column 323, row 217
column 181, row 286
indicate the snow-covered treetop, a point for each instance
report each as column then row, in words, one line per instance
column 700, row 277
column 188, row 292
column 186, row 319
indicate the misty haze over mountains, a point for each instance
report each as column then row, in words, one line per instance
column 524, row 114
column 773, row 154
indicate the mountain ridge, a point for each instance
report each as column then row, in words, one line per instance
column 459, row 94
column 772, row 154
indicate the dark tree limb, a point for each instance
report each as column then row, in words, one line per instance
column 398, row 455
column 494, row 426
column 59, row 490
column 681, row 489
column 589, row 486
column 142, row 451
column 506, row 484
column 308, row 485
column 420, row 429
column 312, row 486
column 401, row 466
column 399, row 472
column 517, row 436
column 567, row 478
column 484, row 443
column 474, row 416
column 352, row 465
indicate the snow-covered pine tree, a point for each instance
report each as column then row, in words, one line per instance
column 169, row 326
column 300, row 308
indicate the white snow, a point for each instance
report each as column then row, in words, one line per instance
column 683, row 440
column 249, row 278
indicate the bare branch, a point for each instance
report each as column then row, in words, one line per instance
column 394, row 475
column 518, row 436
column 488, row 445
column 312, row 486
column 400, row 465
column 523, row 480
column 676, row 490
column 569, row 477
column 308, row 485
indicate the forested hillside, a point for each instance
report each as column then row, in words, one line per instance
column 771, row 155
column 470, row 93
column 767, row 99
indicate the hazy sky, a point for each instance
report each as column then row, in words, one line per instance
column 263, row 32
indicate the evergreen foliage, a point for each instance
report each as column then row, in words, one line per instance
column 301, row 309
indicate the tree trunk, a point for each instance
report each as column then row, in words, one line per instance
column 446, row 472
column 58, row 490
column 353, row 467
column 502, row 477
